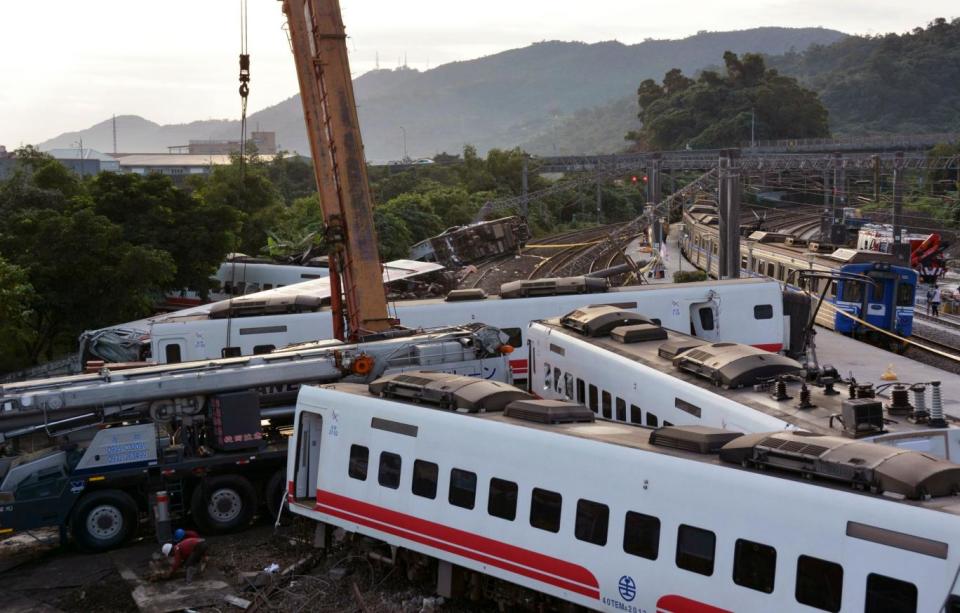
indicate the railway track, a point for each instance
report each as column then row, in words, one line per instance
column 578, row 243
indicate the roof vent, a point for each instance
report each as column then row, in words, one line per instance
column 862, row 465
column 549, row 411
column 695, row 439
column 734, row 365
column 458, row 295
column 600, row 320
column 553, row 287
column 448, row 391
column 767, row 237
column 638, row 333
column 673, row 348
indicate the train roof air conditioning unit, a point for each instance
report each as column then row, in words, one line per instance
column 549, row 411
column 553, row 287
column 459, row 295
column 734, row 365
column 448, row 391
column 638, row 333
column 862, row 465
column 600, row 320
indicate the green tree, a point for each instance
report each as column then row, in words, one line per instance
column 393, row 235
column 298, row 229
column 416, row 213
column 153, row 213
column 16, row 298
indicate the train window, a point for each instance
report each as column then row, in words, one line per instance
column 754, row 565
column 819, row 583
column 621, row 409
column 172, row 353
column 514, row 336
column 763, row 311
column 605, row 403
column 425, row 475
column 652, row 420
column 581, row 391
column 557, row 380
column 593, row 398
column 905, row 295
column 545, row 510
column 636, row 416
column 641, row 535
column 568, row 386
column 463, row 488
column 833, row 289
column 547, row 374
column 359, row 456
column 262, row 349
column 267, row 286
column 389, row 474
column 771, row 269
column 706, row 318
column 744, row 263
column 231, row 352
column 666, row 424
column 503, row 499
column 695, row 549
column 715, row 248
column 592, row 521
column 889, row 595
column 851, row 291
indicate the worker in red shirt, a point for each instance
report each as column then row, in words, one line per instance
column 190, row 553
column 179, row 534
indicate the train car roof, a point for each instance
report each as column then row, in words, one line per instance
column 819, row 418
column 664, row 441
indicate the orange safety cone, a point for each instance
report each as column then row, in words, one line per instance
column 888, row 374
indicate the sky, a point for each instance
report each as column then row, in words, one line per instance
column 67, row 64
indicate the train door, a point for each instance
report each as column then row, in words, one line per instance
column 878, row 307
column 308, row 455
column 705, row 320
column 172, row 350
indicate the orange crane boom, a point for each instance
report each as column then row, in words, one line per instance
column 318, row 41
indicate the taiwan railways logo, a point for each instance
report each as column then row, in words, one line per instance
column 627, row 587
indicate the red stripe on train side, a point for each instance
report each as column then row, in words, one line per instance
column 524, row 562
column 771, row 347
column 671, row 603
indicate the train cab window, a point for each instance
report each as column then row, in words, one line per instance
column 819, row 583
column 545, row 510
column 425, row 476
column 763, row 311
column 641, row 535
column 889, row 595
column 592, row 521
column 514, row 336
column 231, row 352
column 262, row 349
column 593, row 398
column 463, row 488
column 557, row 380
column 503, row 499
column 851, row 291
column 172, row 354
column 621, row 409
column 636, row 415
column 568, row 386
column 267, row 286
column 605, row 404
column 547, row 376
column 754, row 565
column 695, row 549
column 359, row 457
column 652, row 420
column 706, row 318
column 581, row 391
column 389, row 474
column 666, row 424
column 905, row 295
column 877, row 291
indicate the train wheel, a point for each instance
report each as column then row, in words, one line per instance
column 223, row 503
column 103, row 520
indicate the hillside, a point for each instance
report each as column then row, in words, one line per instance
column 501, row 100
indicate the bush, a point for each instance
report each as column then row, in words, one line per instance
column 689, row 276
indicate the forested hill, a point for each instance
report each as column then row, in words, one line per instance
column 888, row 83
column 500, row 100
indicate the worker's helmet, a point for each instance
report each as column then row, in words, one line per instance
column 178, row 535
column 167, row 548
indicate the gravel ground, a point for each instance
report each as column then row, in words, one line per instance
column 941, row 334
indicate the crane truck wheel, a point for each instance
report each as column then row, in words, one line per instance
column 223, row 503
column 103, row 520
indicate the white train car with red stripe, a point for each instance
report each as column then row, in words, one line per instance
column 530, row 502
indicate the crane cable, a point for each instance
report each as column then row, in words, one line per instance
column 244, row 86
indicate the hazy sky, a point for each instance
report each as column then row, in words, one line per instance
column 67, row 64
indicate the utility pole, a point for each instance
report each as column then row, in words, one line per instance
column 898, row 249
column 599, row 196
column 876, row 178
column 838, row 181
column 753, row 124
column 729, row 180
column 653, row 196
column 524, row 193
column 403, row 134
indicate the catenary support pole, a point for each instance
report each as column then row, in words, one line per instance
column 729, row 174
column 898, row 247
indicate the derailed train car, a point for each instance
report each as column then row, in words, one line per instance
column 461, row 245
